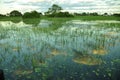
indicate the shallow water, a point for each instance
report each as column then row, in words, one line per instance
column 60, row 50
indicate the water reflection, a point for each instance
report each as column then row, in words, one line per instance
column 55, row 50
column 33, row 22
column 16, row 20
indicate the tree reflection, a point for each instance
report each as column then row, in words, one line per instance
column 49, row 25
column 17, row 20
column 34, row 22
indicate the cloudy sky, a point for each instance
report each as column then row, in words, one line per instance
column 100, row 6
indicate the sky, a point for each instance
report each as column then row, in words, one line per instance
column 99, row 6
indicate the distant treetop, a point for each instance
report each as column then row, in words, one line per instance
column 15, row 13
column 54, row 9
column 32, row 14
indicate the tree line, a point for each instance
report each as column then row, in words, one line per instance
column 54, row 11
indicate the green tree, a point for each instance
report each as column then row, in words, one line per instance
column 93, row 14
column 54, row 9
column 105, row 14
column 84, row 14
column 15, row 13
column 32, row 14
column 116, row 14
column 63, row 14
column 1, row 15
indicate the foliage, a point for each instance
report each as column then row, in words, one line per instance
column 94, row 14
column 105, row 14
column 15, row 13
column 86, row 14
column 116, row 14
column 32, row 14
column 1, row 15
column 54, row 9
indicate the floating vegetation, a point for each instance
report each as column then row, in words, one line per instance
column 116, row 61
column 86, row 59
column 36, row 62
column 110, row 33
column 109, row 74
column 97, row 74
column 56, row 52
column 100, row 52
column 16, row 49
column 22, row 72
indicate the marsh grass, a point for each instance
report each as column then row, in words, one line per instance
column 35, row 51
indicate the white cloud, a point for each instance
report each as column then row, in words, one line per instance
column 68, row 5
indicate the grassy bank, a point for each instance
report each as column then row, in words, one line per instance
column 10, row 18
column 84, row 18
column 66, row 18
column 97, row 17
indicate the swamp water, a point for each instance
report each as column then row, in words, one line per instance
column 60, row 50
